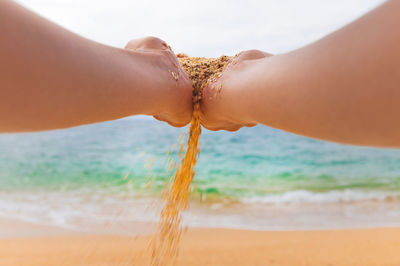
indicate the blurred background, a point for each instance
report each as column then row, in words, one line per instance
column 207, row 28
column 258, row 178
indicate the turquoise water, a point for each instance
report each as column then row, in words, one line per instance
column 252, row 166
column 252, row 162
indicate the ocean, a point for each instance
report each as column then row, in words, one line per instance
column 257, row 178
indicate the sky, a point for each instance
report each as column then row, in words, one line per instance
column 207, row 27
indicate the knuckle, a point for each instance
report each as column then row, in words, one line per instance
column 233, row 129
column 152, row 39
column 154, row 42
column 251, row 54
column 146, row 42
column 211, row 128
column 209, row 124
column 255, row 51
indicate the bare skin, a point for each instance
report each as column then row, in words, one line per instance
column 52, row 78
column 343, row 88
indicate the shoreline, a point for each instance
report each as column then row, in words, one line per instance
column 117, row 217
column 119, row 220
column 202, row 246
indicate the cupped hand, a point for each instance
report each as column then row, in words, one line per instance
column 225, row 104
column 170, row 87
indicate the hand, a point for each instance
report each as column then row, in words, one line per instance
column 172, row 96
column 225, row 105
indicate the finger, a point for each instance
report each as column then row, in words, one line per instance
column 174, row 124
column 233, row 128
column 250, row 125
column 218, row 125
column 158, row 118
column 147, row 43
column 226, row 128
column 252, row 55
column 208, row 127
column 204, row 121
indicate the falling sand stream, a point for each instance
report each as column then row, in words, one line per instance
column 165, row 245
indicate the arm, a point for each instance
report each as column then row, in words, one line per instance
column 51, row 78
column 343, row 88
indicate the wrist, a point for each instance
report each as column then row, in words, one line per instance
column 263, row 102
column 140, row 82
column 248, row 95
column 152, row 79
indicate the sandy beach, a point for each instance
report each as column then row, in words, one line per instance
column 52, row 246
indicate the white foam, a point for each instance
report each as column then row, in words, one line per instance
column 292, row 210
column 334, row 196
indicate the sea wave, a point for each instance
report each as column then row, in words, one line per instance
column 333, row 196
column 293, row 210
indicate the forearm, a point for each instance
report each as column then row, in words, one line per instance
column 52, row 78
column 344, row 88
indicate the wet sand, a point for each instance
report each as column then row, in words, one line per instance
column 364, row 247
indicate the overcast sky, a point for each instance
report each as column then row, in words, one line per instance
column 206, row 27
